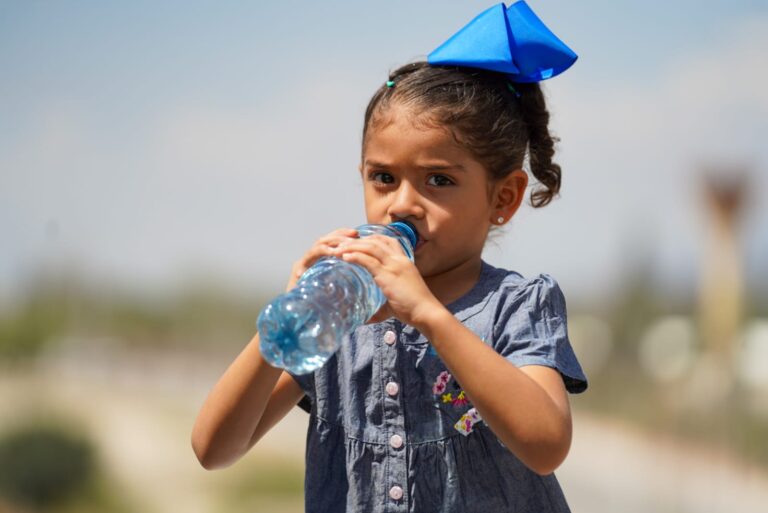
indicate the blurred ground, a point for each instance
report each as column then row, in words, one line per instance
column 140, row 410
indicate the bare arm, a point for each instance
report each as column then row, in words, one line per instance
column 527, row 407
column 252, row 396
column 248, row 400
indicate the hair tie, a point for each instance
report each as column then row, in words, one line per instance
column 513, row 41
column 390, row 84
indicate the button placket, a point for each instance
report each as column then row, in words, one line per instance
column 394, row 419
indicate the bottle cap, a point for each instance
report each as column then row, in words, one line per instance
column 408, row 230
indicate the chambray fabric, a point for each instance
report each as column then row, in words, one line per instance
column 351, row 464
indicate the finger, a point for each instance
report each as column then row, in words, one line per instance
column 334, row 239
column 371, row 263
column 389, row 246
column 368, row 249
column 383, row 240
column 384, row 313
column 316, row 252
column 325, row 245
column 370, row 245
column 338, row 235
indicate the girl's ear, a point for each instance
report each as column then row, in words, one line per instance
column 508, row 195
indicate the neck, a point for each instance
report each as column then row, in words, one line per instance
column 448, row 286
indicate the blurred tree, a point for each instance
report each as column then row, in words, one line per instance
column 24, row 333
column 41, row 465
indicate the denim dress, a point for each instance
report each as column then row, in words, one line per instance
column 390, row 430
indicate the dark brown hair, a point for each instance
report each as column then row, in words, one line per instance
column 494, row 119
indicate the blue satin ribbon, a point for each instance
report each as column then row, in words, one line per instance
column 513, row 41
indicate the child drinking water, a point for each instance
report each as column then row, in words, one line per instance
column 453, row 398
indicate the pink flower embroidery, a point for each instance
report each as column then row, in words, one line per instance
column 441, row 382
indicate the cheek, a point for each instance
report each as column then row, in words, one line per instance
column 374, row 204
column 475, row 227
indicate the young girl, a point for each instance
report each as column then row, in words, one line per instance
column 453, row 398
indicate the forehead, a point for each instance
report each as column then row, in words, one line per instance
column 403, row 132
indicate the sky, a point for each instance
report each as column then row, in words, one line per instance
column 147, row 144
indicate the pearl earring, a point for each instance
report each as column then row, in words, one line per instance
column 500, row 220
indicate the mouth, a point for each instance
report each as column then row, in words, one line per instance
column 420, row 240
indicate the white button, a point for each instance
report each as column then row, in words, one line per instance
column 396, row 493
column 396, row 441
column 392, row 388
column 390, row 337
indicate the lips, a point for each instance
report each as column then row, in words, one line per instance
column 420, row 238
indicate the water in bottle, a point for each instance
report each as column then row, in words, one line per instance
column 301, row 329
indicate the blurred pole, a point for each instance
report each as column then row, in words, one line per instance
column 721, row 292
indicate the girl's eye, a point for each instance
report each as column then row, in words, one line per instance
column 382, row 177
column 439, row 180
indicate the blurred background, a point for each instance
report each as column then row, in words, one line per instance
column 162, row 164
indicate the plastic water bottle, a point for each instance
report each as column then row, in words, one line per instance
column 301, row 329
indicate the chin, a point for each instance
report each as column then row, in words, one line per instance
column 427, row 269
column 421, row 266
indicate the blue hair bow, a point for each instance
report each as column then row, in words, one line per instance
column 513, row 41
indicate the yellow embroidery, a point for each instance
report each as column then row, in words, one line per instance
column 447, row 398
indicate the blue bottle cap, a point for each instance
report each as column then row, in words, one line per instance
column 408, row 230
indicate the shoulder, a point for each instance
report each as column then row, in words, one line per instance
column 526, row 306
column 514, row 291
column 507, row 298
column 530, row 326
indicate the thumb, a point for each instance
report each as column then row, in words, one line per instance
column 384, row 313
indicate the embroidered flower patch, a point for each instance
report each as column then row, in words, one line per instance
column 467, row 422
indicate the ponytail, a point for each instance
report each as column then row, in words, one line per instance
column 541, row 145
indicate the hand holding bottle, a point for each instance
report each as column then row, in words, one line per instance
column 301, row 329
column 323, row 247
column 408, row 297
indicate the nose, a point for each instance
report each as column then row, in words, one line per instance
column 407, row 201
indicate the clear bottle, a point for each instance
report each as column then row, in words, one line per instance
column 301, row 329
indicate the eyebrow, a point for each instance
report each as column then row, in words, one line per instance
column 443, row 167
column 428, row 167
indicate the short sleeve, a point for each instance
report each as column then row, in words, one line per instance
column 307, row 384
column 531, row 328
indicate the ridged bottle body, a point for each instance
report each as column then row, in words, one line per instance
column 301, row 329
